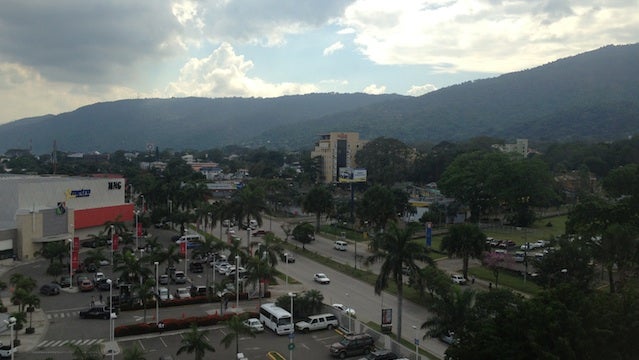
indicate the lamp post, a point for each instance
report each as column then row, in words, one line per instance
column 70, row 263
column 348, row 313
column 416, row 343
column 112, row 243
column 290, row 347
column 248, row 238
column 11, row 322
column 286, row 258
column 237, row 282
column 157, row 293
column 137, row 244
column 111, row 325
column 143, row 204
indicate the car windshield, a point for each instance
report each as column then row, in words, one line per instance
column 284, row 321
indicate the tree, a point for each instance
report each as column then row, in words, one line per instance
column 386, row 160
column 450, row 312
column 91, row 353
column 377, row 206
column 319, row 200
column 194, row 341
column 134, row 353
column 304, row 233
column 144, row 290
column 236, row 328
column 132, row 270
column 247, row 203
column 465, row 241
column 395, row 249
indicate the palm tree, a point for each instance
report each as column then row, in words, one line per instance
column 319, row 200
column 236, row 328
column 248, row 203
column 465, row 241
column 259, row 270
column 208, row 246
column 450, row 312
column 132, row 270
column 170, row 256
column 144, row 292
column 195, row 341
column 272, row 248
column 134, row 353
column 396, row 249
column 31, row 301
column 92, row 353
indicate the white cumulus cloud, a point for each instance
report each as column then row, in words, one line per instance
column 374, row 89
column 417, row 90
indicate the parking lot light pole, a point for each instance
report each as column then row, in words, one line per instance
column 11, row 323
column 348, row 313
column 137, row 241
column 416, row 343
column 157, row 293
column 290, row 347
column 111, row 325
column 286, row 258
column 237, row 282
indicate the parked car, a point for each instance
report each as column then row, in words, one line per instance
column 64, row 282
column 448, row 338
column 321, row 278
column 50, row 289
column 346, row 310
column 103, row 285
column 352, row 345
column 164, row 295
column 254, row 325
column 179, row 277
column 98, row 312
column 163, row 279
column 382, row 354
column 196, row 267
column 458, row 279
column 317, row 322
column 182, row 293
column 197, row 290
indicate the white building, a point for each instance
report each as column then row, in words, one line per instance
column 41, row 209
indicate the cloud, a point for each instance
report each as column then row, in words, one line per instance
column 333, row 48
column 374, row 89
column 487, row 35
column 224, row 73
column 418, row 90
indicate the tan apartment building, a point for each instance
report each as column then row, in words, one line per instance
column 336, row 150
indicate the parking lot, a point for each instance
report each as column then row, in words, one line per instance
column 310, row 346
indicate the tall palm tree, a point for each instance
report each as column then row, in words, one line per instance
column 259, row 270
column 465, row 241
column 396, row 249
column 134, row 353
column 236, row 328
column 248, row 203
column 195, row 341
column 170, row 255
column 132, row 269
column 319, row 200
column 91, row 353
column 144, row 291
column 273, row 249
column 208, row 246
column 450, row 312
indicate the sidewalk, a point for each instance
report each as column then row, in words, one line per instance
column 38, row 318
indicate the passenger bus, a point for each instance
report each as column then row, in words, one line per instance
column 276, row 319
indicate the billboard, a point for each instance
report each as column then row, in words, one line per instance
column 351, row 175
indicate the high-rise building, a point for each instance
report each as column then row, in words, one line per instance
column 336, row 150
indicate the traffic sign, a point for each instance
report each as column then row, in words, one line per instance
column 291, row 346
column 416, row 341
column 291, row 335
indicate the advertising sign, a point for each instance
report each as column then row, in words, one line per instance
column 114, row 242
column 183, row 248
column 429, row 233
column 387, row 320
column 350, row 175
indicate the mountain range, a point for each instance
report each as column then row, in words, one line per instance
column 592, row 96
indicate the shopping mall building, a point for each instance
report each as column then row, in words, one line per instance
column 40, row 209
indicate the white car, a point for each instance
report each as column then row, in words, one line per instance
column 321, row 278
column 222, row 268
column 345, row 309
column 458, row 279
column 254, row 324
column 183, row 293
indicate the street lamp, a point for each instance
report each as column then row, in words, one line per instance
column 416, row 343
column 112, row 242
column 157, row 291
column 286, row 257
column 290, row 351
column 111, row 325
column 248, row 238
column 70, row 263
column 137, row 243
column 237, row 282
column 11, row 322
column 348, row 313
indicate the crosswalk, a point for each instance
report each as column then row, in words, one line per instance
column 63, row 315
column 60, row 343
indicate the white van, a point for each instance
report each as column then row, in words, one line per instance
column 253, row 224
column 189, row 238
column 340, row 245
column 317, row 322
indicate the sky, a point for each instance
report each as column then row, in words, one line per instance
column 56, row 56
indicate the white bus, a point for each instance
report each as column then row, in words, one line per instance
column 276, row 319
